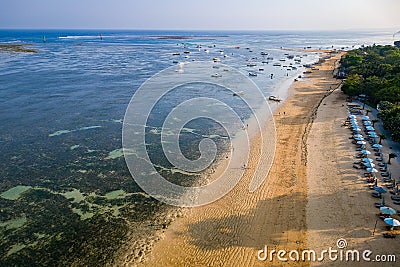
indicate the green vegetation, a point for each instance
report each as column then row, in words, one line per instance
column 16, row 48
column 375, row 72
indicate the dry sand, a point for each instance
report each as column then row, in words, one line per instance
column 311, row 197
column 339, row 200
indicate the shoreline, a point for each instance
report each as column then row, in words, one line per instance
column 243, row 222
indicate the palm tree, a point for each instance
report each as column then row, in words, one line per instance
column 391, row 156
column 374, row 121
column 381, row 137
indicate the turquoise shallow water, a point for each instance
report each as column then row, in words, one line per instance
column 61, row 112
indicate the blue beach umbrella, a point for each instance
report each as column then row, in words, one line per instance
column 370, row 128
column 367, row 160
column 367, row 123
column 352, row 116
column 387, row 210
column 379, row 189
column 365, row 152
column 372, row 170
column 365, row 118
column 377, row 146
column 392, row 222
column 361, row 143
column 359, row 138
column 369, row 164
column 374, row 135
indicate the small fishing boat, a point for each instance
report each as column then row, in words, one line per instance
column 277, row 64
column 274, row 98
column 216, row 75
column 216, row 59
column 252, row 74
column 251, row 65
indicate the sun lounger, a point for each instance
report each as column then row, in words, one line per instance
column 385, row 174
column 388, row 235
column 376, row 195
column 396, row 198
column 381, row 164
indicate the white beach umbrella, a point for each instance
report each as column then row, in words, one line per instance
column 361, row 143
column 365, row 152
column 370, row 128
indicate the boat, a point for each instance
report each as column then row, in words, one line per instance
column 175, row 61
column 274, row 98
column 186, row 52
column 261, row 69
column 252, row 74
column 270, row 58
column 264, row 54
column 216, row 75
column 216, row 59
column 282, row 59
column 277, row 64
column 251, row 65
column 175, row 54
column 290, row 57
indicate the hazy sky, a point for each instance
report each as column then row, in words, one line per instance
column 201, row 14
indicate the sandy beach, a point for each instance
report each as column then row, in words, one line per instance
column 230, row 231
column 311, row 197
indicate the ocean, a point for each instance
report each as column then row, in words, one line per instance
column 63, row 177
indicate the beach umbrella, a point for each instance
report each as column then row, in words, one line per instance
column 365, row 118
column 357, row 130
column 361, row 143
column 358, row 135
column 365, row 152
column 392, row 222
column 379, row 189
column 387, row 210
column 359, row 138
column 352, row 116
column 371, row 170
column 367, row 160
column 377, row 146
column 369, row 164
column 367, row 123
column 370, row 128
column 371, row 133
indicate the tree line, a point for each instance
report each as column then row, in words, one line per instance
column 374, row 71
